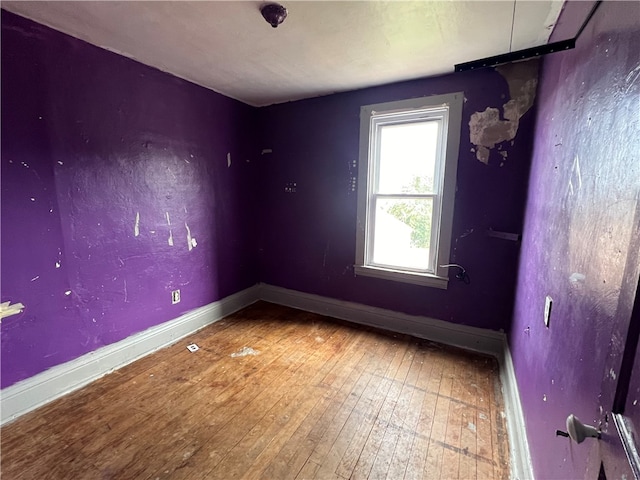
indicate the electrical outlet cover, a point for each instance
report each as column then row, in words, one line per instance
column 193, row 348
column 175, row 297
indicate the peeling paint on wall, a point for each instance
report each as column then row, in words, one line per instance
column 191, row 242
column 488, row 128
column 170, row 240
column 6, row 309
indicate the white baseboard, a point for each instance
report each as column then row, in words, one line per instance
column 480, row 340
column 521, row 466
column 470, row 338
column 44, row 387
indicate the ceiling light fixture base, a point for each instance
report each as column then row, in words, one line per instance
column 274, row 14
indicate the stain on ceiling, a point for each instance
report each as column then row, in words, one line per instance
column 321, row 48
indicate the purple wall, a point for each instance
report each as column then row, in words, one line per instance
column 90, row 140
column 308, row 237
column 580, row 242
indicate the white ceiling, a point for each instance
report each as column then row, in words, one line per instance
column 321, row 48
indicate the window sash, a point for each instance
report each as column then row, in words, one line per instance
column 413, row 109
column 377, row 121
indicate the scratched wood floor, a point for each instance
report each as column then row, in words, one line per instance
column 320, row 399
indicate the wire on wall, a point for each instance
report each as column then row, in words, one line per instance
column 462, row 274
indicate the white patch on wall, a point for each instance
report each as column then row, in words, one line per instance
column 575, row 179
column 136, row 227
column 191, row 242
column 487, row 129
column 6, row 309
column 577, row 277
column 35, row 278
column 229, row 159
column 471, row 427
column 170, row 240
column 67, row 293
column 632, row 77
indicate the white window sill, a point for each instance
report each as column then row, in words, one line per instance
column 426, row 279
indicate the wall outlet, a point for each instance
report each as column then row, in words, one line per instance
column 175, row 296
column 548, row 301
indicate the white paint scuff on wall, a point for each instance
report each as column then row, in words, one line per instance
column 575, row 175
column 170, row 240
column 6, row 309
column 191, row 242
column 229, row 159
column 487, row 129
column 136, row 227
column 577, row 277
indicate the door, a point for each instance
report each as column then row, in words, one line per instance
column 620, row 443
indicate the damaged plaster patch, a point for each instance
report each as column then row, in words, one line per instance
column 488, row 128
column 244, row 351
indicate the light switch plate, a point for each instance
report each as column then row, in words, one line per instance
column 548, row 301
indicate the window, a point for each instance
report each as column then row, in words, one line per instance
column 406, row 188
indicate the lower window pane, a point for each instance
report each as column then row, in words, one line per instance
column 402, row 233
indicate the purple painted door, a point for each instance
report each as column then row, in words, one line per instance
column 621, row 433
column 581, row 244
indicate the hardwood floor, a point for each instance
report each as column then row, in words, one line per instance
column 318, row 399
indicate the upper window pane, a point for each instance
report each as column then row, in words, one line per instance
column 408, row 153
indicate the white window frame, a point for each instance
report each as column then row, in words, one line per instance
column 448, row 109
